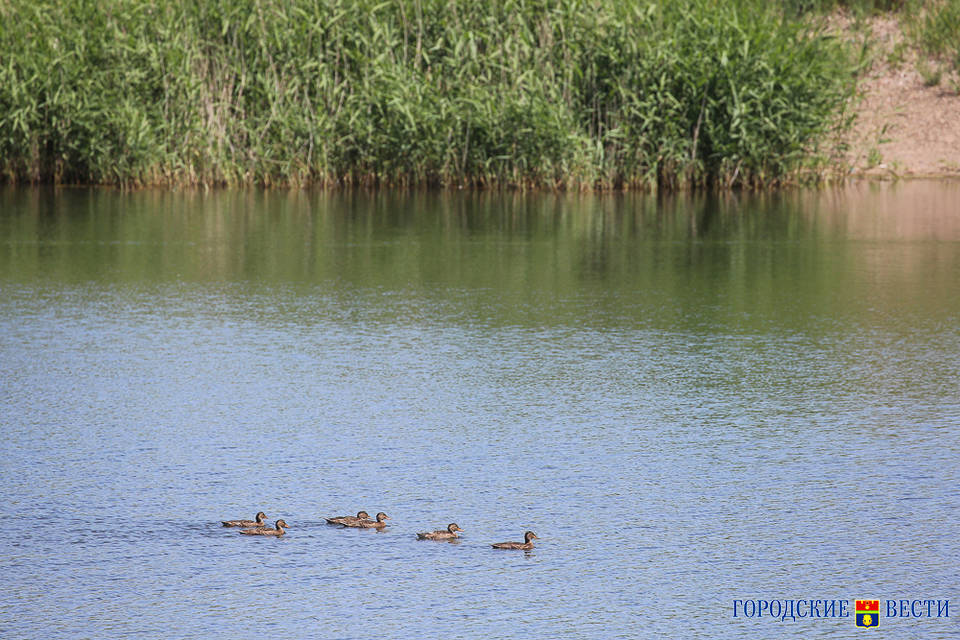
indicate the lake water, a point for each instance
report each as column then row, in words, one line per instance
column 690, row 400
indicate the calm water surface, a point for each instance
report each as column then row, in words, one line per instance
column 690, row 400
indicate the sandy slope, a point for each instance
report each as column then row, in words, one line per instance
column 904, row 128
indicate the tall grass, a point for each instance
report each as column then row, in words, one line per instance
column 555, row 93
column 936, row 29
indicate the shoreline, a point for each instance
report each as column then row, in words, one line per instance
column 812, row 101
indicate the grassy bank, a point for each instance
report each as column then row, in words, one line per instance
column 931, row 27
column 936, row 29
column 561, row 93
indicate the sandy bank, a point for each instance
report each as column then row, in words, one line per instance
column 903, row 128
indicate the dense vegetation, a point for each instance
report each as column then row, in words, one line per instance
column 556, row 93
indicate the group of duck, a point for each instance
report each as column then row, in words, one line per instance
column 260, row 527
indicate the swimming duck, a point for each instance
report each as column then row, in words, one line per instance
column 525, row 545
column 449, row 534
column 278, row 531
column 261, row 521
column 372, row 524
column 347, row 520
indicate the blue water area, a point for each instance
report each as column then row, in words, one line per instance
column 690, row 400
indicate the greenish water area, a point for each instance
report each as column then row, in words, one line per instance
column 693, row 400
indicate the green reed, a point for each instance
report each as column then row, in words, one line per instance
column 559, row 93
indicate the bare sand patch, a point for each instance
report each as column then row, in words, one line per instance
column 903, row 128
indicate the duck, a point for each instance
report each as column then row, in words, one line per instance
column 449, row 534
column 372, row 524
column 526, row 545
column 277, row 531
column 261, row 521
column 348, row 520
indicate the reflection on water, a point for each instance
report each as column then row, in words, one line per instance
column 691, row 399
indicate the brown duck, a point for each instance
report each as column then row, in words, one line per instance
column 278, row 531
column 348, row 520
column 261, row 521
column 526, row 545
column 372, row 524
column 449, row 534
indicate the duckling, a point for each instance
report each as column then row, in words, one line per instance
column 348, row 520
column 526, row 545
column 449, row 534
column 261, row 521
column 372, row 524
column 278, row 531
